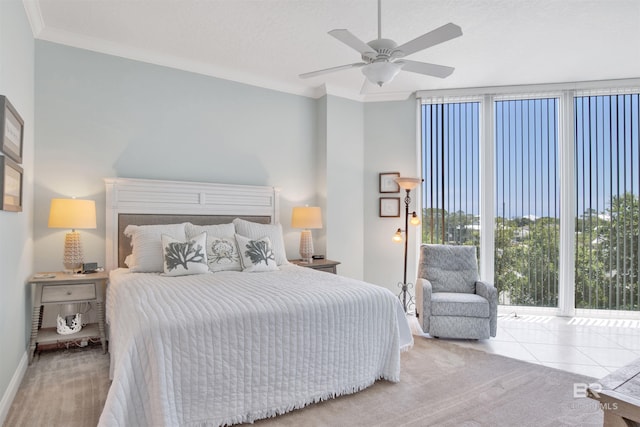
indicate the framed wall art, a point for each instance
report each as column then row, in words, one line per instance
column 10, row 185
column 388, row 183
column 389, row 207
column 12, row 127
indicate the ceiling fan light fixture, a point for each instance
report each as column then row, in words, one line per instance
column 381, row 73
column 378, row 56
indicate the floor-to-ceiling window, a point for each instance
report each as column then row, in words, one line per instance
column 527, row 222
column 451, row 206
column 565, row 157
column 607, row 204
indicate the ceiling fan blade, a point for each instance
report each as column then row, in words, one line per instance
column 426, row 68
column 353, row 42
column 331, row 70
column 439, row 35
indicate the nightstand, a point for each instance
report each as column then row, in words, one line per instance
column 63, row 288
column 319, row 264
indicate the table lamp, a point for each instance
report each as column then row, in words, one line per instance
column 306, row 217
column 72, row 214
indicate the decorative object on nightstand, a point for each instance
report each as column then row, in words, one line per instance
column 406, row 184
column 72, row 214
column 319, row 264
column 61, row 288
column 306, row 217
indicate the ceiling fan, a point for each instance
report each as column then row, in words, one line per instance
column 381, row 57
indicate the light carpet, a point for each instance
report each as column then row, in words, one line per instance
column 442, row 384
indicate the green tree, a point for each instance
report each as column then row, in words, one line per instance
column 526, row 261
column 607, row 261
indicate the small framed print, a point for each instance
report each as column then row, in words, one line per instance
column 12, row 127
column 10, row 185
column 388, row 182
column 389, row 207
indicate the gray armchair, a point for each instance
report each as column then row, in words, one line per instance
column 450, row 300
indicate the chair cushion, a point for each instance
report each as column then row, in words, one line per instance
column 458, row 304
column 449, row 268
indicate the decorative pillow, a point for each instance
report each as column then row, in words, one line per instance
column 255, row 231
column 222, row 252
column 146, row 242
column 256, row 255
column 184, row 257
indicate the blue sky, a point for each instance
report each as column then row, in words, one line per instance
column 526, row 145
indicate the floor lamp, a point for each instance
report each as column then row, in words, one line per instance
column 406, row 184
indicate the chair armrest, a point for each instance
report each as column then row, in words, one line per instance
column 423, row 302
column 490, row 293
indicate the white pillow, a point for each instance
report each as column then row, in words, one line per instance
column 221, row 230
column 146, row 242
column 256, row 231
column 256, row 255
column 222, row 251
column 183, row 257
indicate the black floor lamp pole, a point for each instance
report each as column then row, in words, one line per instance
column 405, row 287
column 406, row 184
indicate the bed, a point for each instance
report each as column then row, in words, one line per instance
column 227, row 347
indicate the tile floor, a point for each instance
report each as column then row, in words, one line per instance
column 583, row 345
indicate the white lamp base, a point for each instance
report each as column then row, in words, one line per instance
column 306, row 246
column 73, row 258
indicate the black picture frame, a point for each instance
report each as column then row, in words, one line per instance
column 389, row 207
column 12, row 130
column 11, row 180
column 387, row 182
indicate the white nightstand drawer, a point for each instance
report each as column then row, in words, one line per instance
column 57, row 293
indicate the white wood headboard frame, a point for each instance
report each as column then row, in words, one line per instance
column 147, row 196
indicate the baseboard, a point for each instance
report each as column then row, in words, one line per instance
column 14, row 384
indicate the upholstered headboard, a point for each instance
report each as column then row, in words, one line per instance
column 143, row 201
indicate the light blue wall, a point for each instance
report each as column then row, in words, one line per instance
column 344, row 184
column 390, row 133
column 16, row 234
column 102, row 116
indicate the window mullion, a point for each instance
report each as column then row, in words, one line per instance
column 487, row 189
column 566, row 267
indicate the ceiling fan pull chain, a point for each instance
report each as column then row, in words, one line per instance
column 379, row 19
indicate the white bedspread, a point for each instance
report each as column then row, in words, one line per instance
column 233, row 347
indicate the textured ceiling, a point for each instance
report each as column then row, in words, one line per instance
column 268, row 43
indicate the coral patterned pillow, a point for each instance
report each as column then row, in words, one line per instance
column 184, row 257
column 256, row 255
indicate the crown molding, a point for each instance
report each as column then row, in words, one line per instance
column 151, row 57
column 43, row 32
column 34, row 15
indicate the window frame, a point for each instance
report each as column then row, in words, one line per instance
column 565, row 93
